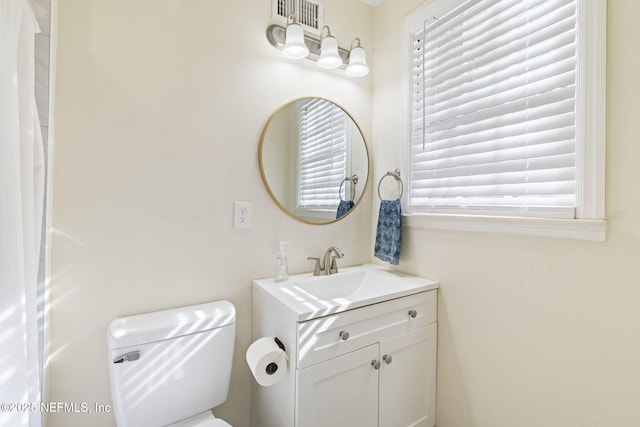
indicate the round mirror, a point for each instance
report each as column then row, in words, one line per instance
column 314, row 160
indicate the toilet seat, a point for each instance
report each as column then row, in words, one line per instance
column 203, row 420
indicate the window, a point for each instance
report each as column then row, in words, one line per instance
column 323, row 161
column 498, row 121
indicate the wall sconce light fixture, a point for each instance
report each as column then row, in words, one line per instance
column 295, row 44
column 357, row 61
column 329, row 57
column 294, row 47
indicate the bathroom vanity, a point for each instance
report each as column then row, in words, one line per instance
column 361, row 346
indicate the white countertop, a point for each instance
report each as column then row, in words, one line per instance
column 305, row 296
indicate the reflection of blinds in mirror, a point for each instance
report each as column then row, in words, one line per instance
column 322, row 154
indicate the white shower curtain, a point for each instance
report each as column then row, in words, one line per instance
column 21, row 209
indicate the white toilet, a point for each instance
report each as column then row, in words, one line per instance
column 170, row 368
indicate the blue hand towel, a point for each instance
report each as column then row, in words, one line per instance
column 388, row 233
column 343, row 207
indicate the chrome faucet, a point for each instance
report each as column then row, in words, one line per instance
column 328, row 263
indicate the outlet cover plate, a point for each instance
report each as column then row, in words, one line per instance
column 241, row 214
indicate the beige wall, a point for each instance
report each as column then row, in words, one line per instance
column 158, row 113
column 159, row 108
column 533, row 331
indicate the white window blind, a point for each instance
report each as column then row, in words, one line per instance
column 324, row 138
column 494, row 109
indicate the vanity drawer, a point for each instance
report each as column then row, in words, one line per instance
column 321, row 339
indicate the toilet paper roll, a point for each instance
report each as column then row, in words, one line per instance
column 267, row 361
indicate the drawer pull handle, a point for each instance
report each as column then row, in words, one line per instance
column 413, row 314
column 387, row 358
column 375, row 364
column 344, row 335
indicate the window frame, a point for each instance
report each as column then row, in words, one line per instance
column 589, row 222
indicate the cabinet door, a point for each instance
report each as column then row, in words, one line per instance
column 339, row 392
column 408, row 382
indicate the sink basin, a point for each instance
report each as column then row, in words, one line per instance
column 328, row 287
column 306, row 297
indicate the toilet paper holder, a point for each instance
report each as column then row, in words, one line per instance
column 279, row 343
column 268, row 361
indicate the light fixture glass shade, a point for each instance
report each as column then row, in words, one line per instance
column 329, row 57
column 357, row 63
column 294, row 47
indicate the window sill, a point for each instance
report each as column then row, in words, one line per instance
column 577, row 229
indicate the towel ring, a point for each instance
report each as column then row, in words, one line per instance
column 354, row 181
column 396, row 175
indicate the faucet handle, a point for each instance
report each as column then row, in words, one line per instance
column 333, row 268
column 317, row 268
column 339, row 253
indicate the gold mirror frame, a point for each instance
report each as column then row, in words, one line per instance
column 263, row 172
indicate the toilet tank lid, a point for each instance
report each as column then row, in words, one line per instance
column 166, row 324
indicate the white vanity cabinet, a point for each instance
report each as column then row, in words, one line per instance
column 368, row 366
column 390, row 384
column 339, row 392
column 407, row 392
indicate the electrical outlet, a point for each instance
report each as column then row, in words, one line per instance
column 242, row 215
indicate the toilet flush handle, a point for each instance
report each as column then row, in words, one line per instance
column 128, row 357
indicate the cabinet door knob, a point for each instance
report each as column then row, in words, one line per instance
column 387, row 358
column 375, row 364
column 413, row 314
column 344, row 335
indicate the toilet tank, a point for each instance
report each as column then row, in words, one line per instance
column 170, row 365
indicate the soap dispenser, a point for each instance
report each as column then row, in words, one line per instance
column 282, row 273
